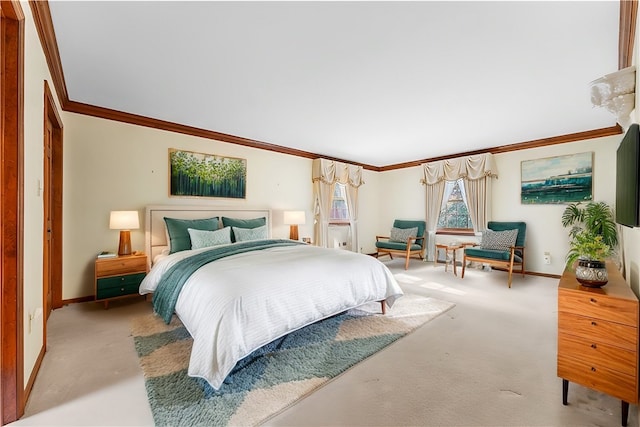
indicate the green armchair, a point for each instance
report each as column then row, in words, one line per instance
column 406, row 238
column 497, row 250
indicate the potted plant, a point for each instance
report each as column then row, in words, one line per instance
column 593, row 237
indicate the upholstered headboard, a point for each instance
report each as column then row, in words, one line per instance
column 156, row 232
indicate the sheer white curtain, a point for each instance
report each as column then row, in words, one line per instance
column 476, row 173
column 448, row 189
column 325, row 174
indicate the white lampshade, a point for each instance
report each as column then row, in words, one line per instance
column 294, row 217
column 124, row 220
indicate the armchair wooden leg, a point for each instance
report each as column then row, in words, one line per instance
column 383, row 306
column 406, row 263
column 511, row 268
column 464, row 263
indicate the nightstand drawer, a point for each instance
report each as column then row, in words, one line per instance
column 119, row 281
column 109, row 287
column 124, row 289
column 598, row 330
column 121, row 265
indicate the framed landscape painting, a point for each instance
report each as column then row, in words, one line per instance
column 206, row 175
column 554, row 180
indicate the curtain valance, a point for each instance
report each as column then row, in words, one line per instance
column 470, row 167
column 330, row 172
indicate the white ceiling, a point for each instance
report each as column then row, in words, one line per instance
column 378, row 83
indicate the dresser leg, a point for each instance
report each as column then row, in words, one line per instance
column 565, row 391
column 625, row 413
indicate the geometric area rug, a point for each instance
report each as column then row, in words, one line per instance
column 273, row 377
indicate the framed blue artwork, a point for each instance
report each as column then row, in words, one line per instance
column 556, row 180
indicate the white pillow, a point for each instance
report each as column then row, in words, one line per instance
column 205, row 238
column 243, row 234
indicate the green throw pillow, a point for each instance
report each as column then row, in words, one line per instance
column 179, row 239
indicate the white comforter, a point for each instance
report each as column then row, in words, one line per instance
column 237, row 304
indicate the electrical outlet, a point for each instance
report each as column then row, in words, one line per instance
column 547, row 258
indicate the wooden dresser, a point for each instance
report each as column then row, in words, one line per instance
column 598, row 338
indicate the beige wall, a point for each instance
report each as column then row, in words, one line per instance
column 403, row 196
column 544, row 228
column 114, row 166
column 35, row 73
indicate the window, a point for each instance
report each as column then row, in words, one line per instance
column 339, row 209
column 454, row 213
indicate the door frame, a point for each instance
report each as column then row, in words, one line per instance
column 51, row 114
column 11, row 210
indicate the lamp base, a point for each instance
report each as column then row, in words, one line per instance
column 293, row 232
column 125, row 243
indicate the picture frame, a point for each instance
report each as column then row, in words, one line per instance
column 557, row 180
column 193, row 174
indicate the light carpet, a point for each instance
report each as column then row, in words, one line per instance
column 273, row 377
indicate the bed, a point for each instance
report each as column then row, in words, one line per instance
column 255, row 290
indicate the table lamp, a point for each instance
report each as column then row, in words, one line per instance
column 124, row 221
column 293, row 219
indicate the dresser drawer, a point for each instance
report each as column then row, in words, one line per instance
column 604, row 307
column 597, row 377
column 597, row 330
column 121, row 265
column 597, row 353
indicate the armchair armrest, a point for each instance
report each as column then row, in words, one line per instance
column 382, row 237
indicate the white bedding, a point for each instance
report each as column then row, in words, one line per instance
column 237, row 304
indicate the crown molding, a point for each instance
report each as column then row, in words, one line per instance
column 44, row 26
column 562, row 139
column 627, row 34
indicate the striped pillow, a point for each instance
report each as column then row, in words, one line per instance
column 498, row 240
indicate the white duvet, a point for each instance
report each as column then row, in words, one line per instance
column 237, row 304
